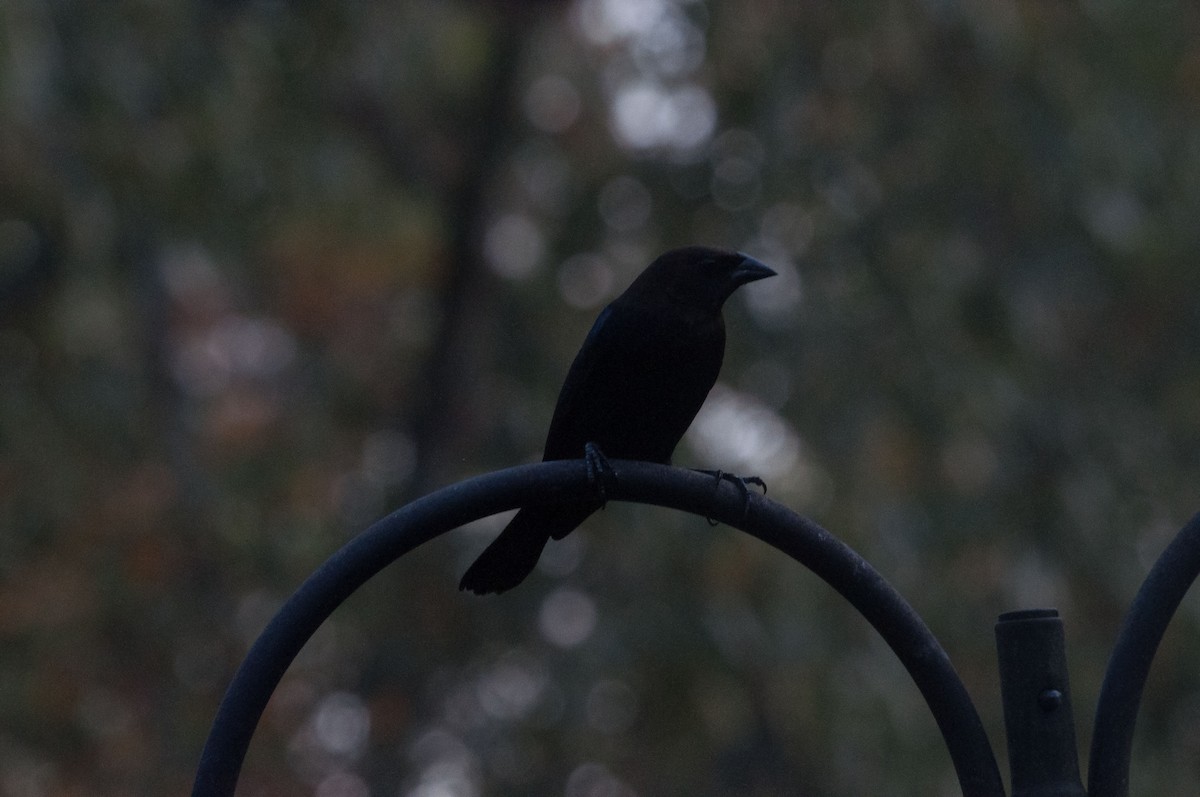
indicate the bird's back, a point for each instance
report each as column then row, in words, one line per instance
column 637, row 382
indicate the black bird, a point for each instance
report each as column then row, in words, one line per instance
column 634, row 388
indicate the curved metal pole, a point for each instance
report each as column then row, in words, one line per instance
column 899, row 625
column 426, row 518
column 1121, row 693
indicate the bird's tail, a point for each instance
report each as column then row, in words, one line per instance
column 512, row 556
column 509, row 559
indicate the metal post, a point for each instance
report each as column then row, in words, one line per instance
column 1121, row 695
column 1043, row 758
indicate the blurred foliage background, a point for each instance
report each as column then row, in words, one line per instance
column 270, row 269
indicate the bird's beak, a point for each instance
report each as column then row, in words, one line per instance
column 750, row 270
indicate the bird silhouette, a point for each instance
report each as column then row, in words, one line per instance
column 637, row 382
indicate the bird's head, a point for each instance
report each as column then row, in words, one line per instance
column 700, row 277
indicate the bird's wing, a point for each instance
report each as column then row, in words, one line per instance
column 592, row 373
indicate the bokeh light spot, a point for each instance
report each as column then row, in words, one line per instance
column 342, row 724
column 513, row 246
column 595, row 780
column 567, row 618
column 342, row 784
column 647, row 115
column 512, row 688
column 552, row 104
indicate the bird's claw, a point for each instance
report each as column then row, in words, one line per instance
column 598, row 471
column 741, row 483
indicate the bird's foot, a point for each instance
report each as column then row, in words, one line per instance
column 741, row 482
column 599, row 472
